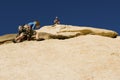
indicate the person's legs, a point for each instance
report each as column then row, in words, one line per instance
column 20, row 37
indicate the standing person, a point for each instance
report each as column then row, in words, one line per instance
column 34, row 25
column 56, row 21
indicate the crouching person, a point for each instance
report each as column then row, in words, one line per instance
column 29, row 32
column 24, row 33
column 21, row 34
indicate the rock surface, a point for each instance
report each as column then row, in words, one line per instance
column 63, row 32
column 85, row 57
column 68, row 31
column 7, row 38
column 89, row 57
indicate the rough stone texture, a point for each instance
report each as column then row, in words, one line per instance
column 68, row 30
column 88, row 54
column 63, row 32
column 7, row 38
column 86, row 57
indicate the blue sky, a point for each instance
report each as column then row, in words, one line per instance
column 94, row 13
